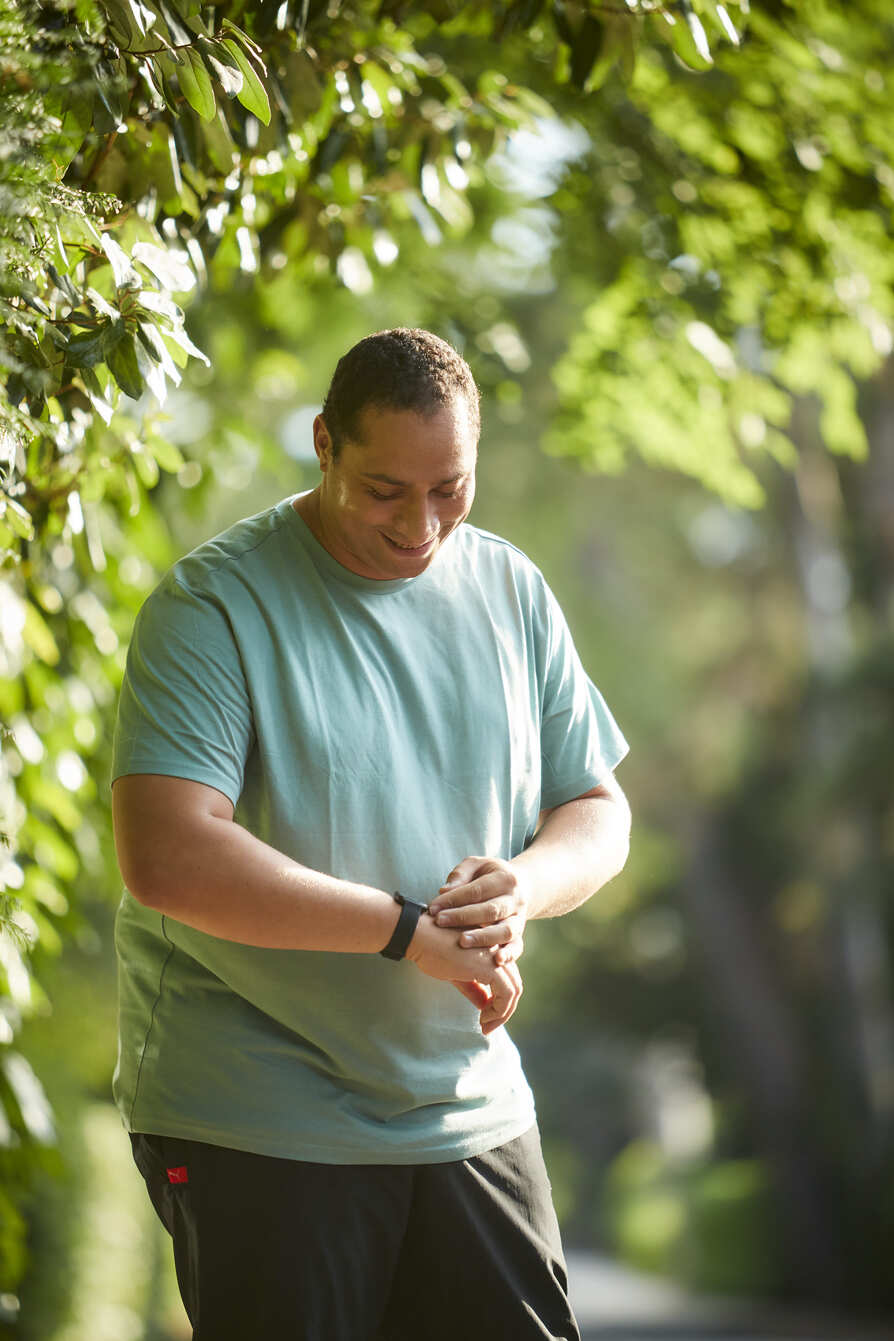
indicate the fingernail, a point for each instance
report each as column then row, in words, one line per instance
column 467, row 938
column 444, row 919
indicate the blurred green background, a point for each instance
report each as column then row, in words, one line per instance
column 673, row 276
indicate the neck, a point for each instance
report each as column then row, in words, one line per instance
column 308, row 509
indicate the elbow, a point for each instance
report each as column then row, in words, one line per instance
column 145, row 884
column 149, row 875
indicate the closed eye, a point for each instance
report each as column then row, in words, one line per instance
column 387, row 498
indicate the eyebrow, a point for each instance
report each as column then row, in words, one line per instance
column 402, row 484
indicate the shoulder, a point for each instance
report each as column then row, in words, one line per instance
column 511, row 585
column 216, row 579
column 493, row 552
column 252, row 540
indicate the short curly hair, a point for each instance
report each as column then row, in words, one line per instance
column 400, row 369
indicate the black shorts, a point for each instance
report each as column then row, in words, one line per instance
column 279, row 1248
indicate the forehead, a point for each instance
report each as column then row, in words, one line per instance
column 409, row 445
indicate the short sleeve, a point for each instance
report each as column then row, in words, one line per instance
column 184, row 709
column 580, row 741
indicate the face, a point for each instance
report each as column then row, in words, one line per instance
column 389, row 500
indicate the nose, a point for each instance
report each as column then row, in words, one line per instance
column 416, row 520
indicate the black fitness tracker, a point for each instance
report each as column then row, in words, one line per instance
column 410, row 913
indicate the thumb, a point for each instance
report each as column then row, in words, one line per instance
column 463, row 872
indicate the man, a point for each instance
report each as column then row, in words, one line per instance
column 351, row 694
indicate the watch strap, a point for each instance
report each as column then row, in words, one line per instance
column 410, row 913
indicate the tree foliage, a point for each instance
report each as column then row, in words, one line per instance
column 742, row 266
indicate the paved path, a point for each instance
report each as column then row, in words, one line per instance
column 614, row 1303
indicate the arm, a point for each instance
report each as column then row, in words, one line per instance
column 578, row 848
column 181, row 853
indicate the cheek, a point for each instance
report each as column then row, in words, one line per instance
column 456, row 511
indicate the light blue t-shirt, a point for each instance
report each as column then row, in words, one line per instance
column 376, row 730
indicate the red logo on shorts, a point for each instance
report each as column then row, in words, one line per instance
column 178, row 1175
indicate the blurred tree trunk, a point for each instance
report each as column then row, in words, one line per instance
column 815, row 1058
column 767, row 1056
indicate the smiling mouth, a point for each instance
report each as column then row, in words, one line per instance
column 411, row 550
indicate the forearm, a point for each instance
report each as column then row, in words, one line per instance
column 207, row 871
column 579, row 847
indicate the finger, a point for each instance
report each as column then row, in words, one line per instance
column 486, row 937
column 464, row 871
column 508, row 954
column 507, row 988
column 495, row 905
column 460, row 879
column 475, row 992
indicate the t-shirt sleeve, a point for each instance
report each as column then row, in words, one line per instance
column 184, row 709
column 580, row 741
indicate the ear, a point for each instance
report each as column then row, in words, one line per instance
column 322, row 443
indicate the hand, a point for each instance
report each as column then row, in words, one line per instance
column 494, row 1006
column 493, row 989
column 486, row 900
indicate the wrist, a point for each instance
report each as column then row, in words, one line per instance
column 524, row 868
column 411, row 911
column 421, row 940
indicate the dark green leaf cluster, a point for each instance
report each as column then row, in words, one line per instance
column 741, row 261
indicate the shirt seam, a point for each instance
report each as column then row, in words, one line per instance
column 224, row 561
column 151, row 1024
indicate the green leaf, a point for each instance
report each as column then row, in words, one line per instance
column 727, row 24
column 180, row 337
column 618, row 48
column 195, row 85
column 37, row 635
column 96, row 395
column 585, row 48
column 252, row 95
column 125, row 21
column 161, row 304
column 122, row 362
column 167, row 265
column 679, row 34
column 241, row 37
column 219, row 143
column 150, row 338
column 224, row 66
column 168, row 456
column 64, row 284
column 179, row 33
column 32, row 1102
column 110, row 88
column 155, row 79
column 146, row 465
column 699, row 36
column 16, row 518
column 85, row 350
column 125, row 275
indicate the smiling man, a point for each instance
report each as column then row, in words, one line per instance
column 351, row 694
